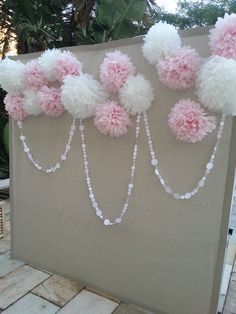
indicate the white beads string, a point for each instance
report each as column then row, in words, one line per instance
column 63, row 157
column 98, row 211
column 155, row 163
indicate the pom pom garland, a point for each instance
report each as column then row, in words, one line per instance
column 161, row 40
column 223, row 37
column 11, row 75
column 111, row 119
column 137, row 94
column 179, row 70
column 114, row 70
column 31, row 103
column 80, row 95
column 216, row 85
column 189, row 122
column 33, row 78
column 50, row 101
column 13, row 105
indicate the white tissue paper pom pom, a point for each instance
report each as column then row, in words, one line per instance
column 11, row 75
column 31, row 103
column 80, row 95
column 161, row 40
column 217, row 85
column 136, row 95
column 47, row 62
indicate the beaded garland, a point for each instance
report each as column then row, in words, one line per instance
column 135, row 94
column 99, row 212
column 34, row 88
column 55, row 82
column 216, row 82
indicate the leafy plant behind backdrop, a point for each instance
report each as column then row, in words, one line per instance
column 35, row 25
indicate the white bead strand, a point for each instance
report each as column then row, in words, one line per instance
column 57, row 164
column 155, row 163
column 98, row 211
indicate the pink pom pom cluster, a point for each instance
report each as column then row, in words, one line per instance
column 13, row 105
column 179, row 70
column 50, row 101
column 35, row 79
column 115, row 69
column 189, row 122
column 67, row 64
column 112, row 119
column 223, row 37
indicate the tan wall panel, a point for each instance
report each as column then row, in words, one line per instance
column 167, row 255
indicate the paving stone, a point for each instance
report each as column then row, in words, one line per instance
column 18, row 283
column 7, row 264
column 58, row 290
column 233, row 277
column 4, row 245
column 230, row 304
column 234, row 268
column 87, row 302
column 31, row 304
column 226, row 278
column 231, row 251
column 103, row 294
column 221, row 303
column 124, row 308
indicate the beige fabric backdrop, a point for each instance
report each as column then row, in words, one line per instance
column 167, row 255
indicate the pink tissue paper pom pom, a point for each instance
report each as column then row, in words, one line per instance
column 189, row 122
column 50, row 101
column 112, row 119
column 33, row 78
column 179, row 70
column 115, row 69
column 67, row 64
column 13, row 105
column 223, row 37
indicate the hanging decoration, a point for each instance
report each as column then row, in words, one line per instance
column 84, row 97
column 134, row 95
column 54, row 83
column 189, row 122
column 34, row 88
column 180, row 68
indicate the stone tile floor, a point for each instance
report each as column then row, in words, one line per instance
column 27, row 290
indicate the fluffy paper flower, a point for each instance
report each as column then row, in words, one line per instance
column 115, row 69
column 189, row 122
column 47, row 63
column 50, row 101
column 223, row 37
column 31, row 103
column 179, row 71
column 33, row 77
column 80, row 95
column 11, row 75
column 216, row 85
column 111, row 119
column 13, row 105
column 136, row 95
column 56, row 64
column 67, row 64
column 161, row 40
